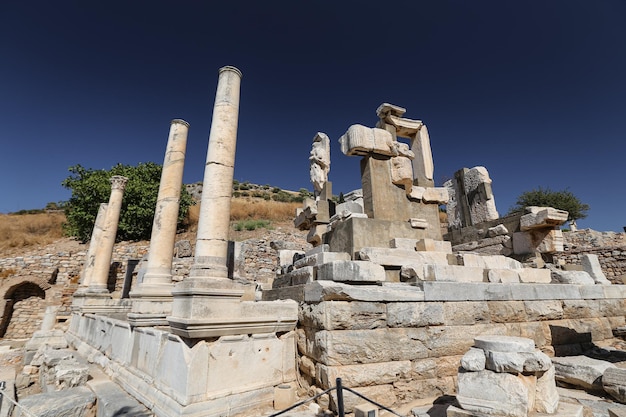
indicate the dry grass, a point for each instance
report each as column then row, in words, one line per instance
column 275, row 213
column 257, row 208
column 25, row 230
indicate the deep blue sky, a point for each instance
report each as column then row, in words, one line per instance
column 535, row 91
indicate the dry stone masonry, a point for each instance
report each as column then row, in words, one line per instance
column 493, row 316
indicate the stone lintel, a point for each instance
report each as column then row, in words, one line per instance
column 406, row 128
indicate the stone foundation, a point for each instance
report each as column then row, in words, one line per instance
column 176, row 377
column 398, row 350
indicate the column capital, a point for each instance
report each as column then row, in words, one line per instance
column 180, row 121
column 231, row 68
column 118, row 182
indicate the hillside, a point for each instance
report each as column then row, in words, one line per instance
column 251, row 217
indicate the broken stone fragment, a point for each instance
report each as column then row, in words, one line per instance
column 572, row 277
column 437, row 195
column 504, row 343
column 497, row 230
column 473, row 360
column 363, row 140
column 418, row 223
column 591, row 265
column 517, row 362
column 541, row 217
column 614, row 383
column 493, row 394
column 581, row 371
column 546, row 394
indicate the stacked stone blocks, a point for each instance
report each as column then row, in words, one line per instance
column 400, row 351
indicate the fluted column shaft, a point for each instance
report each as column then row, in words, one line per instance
column 212, row 237
column 104, row 251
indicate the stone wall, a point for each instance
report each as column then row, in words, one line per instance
column 57, row 268
column 609, row 246
column 394, row 352
column 56, row 272
column 27, row 312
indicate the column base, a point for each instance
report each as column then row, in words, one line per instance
column 117, row 308
column 151, row 304
column 87, row 295
column 213, row 308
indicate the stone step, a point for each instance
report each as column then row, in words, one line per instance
column 76, row 402
column 114, row 401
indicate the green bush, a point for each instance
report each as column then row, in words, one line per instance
column 545, row 197
column 91, row 187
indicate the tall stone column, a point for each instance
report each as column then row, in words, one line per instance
column 104, row 250
column 208, row 304
column 152, row 299
column 212, row 238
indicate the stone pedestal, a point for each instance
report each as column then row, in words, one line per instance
column 355, row 233
column 153, row 297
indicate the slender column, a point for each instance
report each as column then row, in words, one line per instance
column 212, row 237
column 152, row 297
column 159, row 269
column 93, row 245
column 104, row 250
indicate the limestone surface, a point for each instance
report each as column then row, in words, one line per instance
column 614, row 383
column 581, row 371
column 591, row 265
column 493, row 394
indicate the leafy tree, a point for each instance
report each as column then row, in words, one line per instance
column 91, row 187
column 545, row 197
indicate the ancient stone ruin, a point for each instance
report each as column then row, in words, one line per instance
column 486, row 314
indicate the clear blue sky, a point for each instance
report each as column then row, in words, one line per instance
column 535, row 91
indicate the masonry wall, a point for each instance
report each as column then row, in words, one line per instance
column 61, row 269
column 57, row 274
column 399, row 351
column 609, row 246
